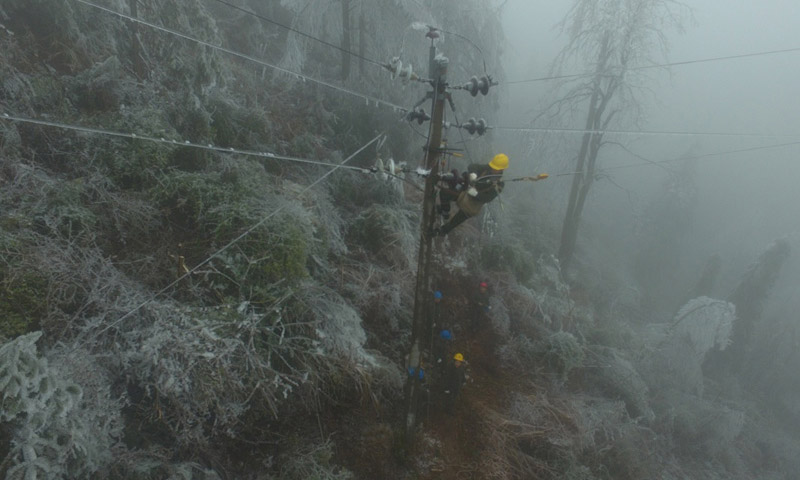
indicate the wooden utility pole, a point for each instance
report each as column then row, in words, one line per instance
column 421, row 325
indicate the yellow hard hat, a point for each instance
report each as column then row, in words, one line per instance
column 458, row 357
column 499, row 162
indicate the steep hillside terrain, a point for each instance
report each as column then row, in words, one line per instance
column 190, row 289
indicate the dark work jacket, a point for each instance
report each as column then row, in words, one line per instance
column 488, row 187
column 482, row 300
column 454, row 378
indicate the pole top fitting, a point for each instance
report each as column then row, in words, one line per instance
column 433, row 32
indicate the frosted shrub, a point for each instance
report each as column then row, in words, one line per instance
column 548, row 274
column 339, row 339
column 498, row 315
column 552, row 295
column 534, row 438
column 523, row 306
column 520, row 352
column 704, row 424
column 613, row 442
column 338, row 325
column 618, row 376
column 59, row 428
column 388, row 231
column 313, row 462
column 560, row 352
column 205, row 368
column 563, row 353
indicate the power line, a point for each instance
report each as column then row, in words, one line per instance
column 659, row 163
column 238, row 238
column 695, row 157
column 337, row 47
column 647, row 132
column 176, row 143
column 483, row 57
column 244, row 56
column 662, row 65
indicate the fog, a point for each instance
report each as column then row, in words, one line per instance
column 746, row 199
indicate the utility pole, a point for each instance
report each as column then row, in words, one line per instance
column 421, row 326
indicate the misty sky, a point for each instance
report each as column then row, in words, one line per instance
column 746, row 199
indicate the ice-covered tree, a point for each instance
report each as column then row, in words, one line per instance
column 661, row 229
column 750, row 297
column 706, row 323
column 611, row 39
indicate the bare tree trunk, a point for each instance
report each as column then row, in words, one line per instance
column 569, row 230
column 362, row 39
column 587, row 158
column 139, row 67
column 345, row 39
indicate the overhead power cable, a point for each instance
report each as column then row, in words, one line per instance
column 655, row 162
column 238, row 238
column 661, row 65
column 272, row 156
column 368, row 98
column 332, row 45
column 705, row 155
column 647, row 132
column 176, row 143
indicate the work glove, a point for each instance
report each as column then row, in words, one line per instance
column 472, row 191
column 473, row 177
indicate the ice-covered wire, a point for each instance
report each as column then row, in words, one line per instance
column 662, row 65
column 483, row 57
column 695, row 157
column 177, row 143
column 663, row 133
column 660, row 162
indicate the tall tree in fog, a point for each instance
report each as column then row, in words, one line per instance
column 661, row 233
column 750, row 297
column 380, row 30
column 375, row 25
column 612, row 39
